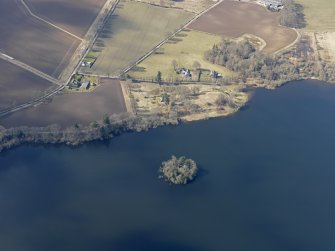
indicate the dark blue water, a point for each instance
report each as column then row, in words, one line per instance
column 267, row 183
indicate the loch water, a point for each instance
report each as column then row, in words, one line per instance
column 266, row 183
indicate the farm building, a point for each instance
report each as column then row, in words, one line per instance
column 275, row 5
column 85, row 85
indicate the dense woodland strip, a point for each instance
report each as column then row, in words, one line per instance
column 79, row 134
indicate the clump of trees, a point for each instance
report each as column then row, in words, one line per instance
column 178, row 171
column 292, row 15
column 243, row 58
column 225, row 100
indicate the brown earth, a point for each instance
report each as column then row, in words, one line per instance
column 68, row 109
column 232, row 19
column 75, row 16
column 18, row 86
column 32, row 41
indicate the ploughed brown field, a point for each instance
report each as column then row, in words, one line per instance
column 233, row 19
column 76, row 16
column 18, row 86
column 70, row 108
column 32, row 41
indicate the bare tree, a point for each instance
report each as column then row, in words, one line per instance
column 195, row 90
column 196, row 65
column 221, row 101
column 174, row 64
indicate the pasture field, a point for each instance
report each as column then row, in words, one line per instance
column 133, row 29
column 195, row 6
column 32, row 41
column 68, row 109
column 18, row 86
column 319, row 14
column 73, row 16
column 233, row 19
column 185, row 48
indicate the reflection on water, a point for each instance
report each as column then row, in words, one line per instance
column 266, row 184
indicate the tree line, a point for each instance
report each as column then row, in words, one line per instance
column 107, row 128
column 292, row 15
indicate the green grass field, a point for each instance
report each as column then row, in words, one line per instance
column 320, row 14
column 134, row 29
column 185, row 49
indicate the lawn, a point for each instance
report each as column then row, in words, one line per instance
column 134, row 29
column 186, row 48
column 320, row 14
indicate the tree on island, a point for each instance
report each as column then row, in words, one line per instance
column 178, row 171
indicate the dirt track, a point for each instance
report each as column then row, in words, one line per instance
column 75, row 16
column 32, row 41
column 233, row 19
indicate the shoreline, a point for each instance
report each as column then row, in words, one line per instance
column 103, row 130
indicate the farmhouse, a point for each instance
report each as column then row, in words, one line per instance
column 184, row 71
column 87, row 64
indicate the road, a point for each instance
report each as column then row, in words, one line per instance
column 29, row 68
column 105, row 13
column 31, row 103
column 90, row 38
column 92, row 33
column 96, row 27
column 169, row 37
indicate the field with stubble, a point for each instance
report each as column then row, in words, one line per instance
column 133, row 29
column 68, row 109
column 18, row 86
column 32, row 41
